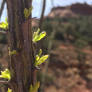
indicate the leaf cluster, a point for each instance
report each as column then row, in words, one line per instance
column 40, row 59
column 13, row 52
column 27, row 12
column 5, row 74
column 37, row 36
column 35, row 87
column 4, row 25
column 9, row 90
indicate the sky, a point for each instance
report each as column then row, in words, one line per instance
column 37, row 6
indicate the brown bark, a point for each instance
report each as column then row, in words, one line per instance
column 20, row 39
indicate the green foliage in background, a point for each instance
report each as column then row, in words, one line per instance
column 74, row 30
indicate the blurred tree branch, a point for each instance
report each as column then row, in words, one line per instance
column 3, row 31
column 4, row 82
column 2, row 7
column 42, row 14
column 47, row 64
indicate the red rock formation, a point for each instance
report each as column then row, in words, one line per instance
column 71, row 11
column 83, row 9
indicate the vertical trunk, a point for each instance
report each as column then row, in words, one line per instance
column 20, row 39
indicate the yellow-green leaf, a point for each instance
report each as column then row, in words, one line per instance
column 40, row 52
column 9, row 90
column 37, row 57
column 27, row 12
column 4, row 25
column 37, row 36
column 6, row 21
column 30, row 10
column 41, row 60
column 42, row 35
column 5, row 74
column 12, row 52
column 35, row 87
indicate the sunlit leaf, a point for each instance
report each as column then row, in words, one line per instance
column 41, row 35
column 41, row 60
column 40, row 52
column 37, row 36
column 27, row 12
column 37, row 57
column 35, row 87
column 9, row 90
column 4, row 25
column 30, row 10
column 12, row 52
column 5, row 74
column 6, row 21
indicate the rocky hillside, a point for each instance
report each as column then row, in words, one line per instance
column 71, row 11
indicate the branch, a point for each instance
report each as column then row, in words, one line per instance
column 2, row 31
column 4, row 82
column 42, row 14
column 27, row 3
column 50, row 44
column 2, row 7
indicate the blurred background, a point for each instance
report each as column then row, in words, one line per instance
column 68, row 24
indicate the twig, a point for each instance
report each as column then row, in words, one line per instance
column 42, row 14
column 3, row 32
column 46, row 65
column 4, row 82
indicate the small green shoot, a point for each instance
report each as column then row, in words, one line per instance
column 40, row 52
column 40, row 59
column 38, row 36
column 9, row 90
column 35, row 87
column 13, row 52
column 5, row 74
column 27, row 12
column 4, row 25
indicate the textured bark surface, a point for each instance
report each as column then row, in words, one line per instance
column 20, row 39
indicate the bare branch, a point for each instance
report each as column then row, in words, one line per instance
column 42, row 14
column 2, row 31
column 4, row 82
column 2, row 7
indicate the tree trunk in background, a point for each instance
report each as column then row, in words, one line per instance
column 20, row 39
